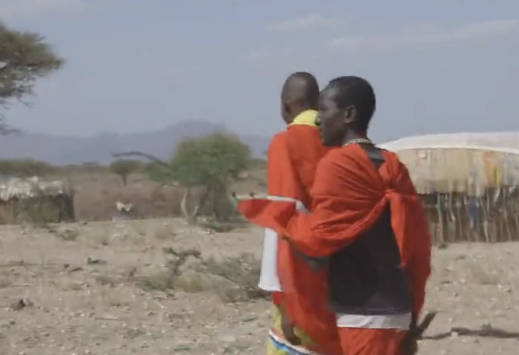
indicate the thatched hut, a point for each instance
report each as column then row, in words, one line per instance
column 36, row 201
column 469, row 183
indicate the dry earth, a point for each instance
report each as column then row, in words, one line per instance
column 86, row 290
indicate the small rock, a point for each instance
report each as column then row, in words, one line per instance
column 92, row 261
column 454, row 334
column 7, row 323
column 21, row 303
column 249, row 319
column 227, row 339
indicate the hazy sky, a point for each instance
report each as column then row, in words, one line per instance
column 139, row 65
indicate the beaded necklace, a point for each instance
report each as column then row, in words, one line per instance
column 359, row 141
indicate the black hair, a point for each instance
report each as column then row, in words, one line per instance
column 301, row 89
column 358, row 92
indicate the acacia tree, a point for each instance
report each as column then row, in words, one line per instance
column 124, row 167
column 210, row 163
column 24, row 58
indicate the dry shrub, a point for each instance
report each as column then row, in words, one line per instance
column 224, row 227
column 483, row 276
column 97, row 192
column 234, row 279
column 164, row 233
column 243, row 271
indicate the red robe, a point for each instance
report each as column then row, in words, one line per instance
column 293, row 156
column 348, row 196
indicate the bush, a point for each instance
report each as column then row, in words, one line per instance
column 234, row 279
column 25, row 168
column 124, row 167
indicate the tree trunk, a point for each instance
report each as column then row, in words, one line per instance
column 221, row 207
column 192, row 216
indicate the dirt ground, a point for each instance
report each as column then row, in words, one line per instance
column 77, row 291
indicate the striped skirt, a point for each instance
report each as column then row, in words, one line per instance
column 277, row 345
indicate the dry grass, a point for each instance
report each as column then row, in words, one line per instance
column 162, row 287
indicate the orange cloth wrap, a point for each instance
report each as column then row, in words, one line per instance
column 348, row 196
column 293, row 156
column 359, row 341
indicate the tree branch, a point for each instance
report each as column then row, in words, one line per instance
column 135, row 154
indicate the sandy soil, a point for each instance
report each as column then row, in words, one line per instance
column 63, row 294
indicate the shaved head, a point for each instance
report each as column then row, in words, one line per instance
column 300, row 93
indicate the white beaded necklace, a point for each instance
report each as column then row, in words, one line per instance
column 358, row 141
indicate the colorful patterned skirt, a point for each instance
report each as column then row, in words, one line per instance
column 277, row 345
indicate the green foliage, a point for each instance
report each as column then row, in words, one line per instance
column 25, row 168
column 210, row 163
column 161, row 173
column 125, row 167
column 215, row 159
column 24, row 58
column 39, row 209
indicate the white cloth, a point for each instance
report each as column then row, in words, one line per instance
column 393, row 321
column 268, row 277
column 269, row 280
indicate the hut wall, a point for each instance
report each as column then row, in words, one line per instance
column 37, row 209
column 469, row 194
column 460, row 170
column 457, row 217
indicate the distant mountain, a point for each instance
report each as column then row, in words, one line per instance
column 59, row 150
